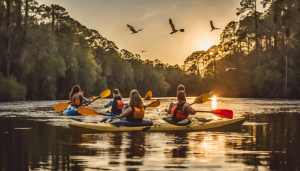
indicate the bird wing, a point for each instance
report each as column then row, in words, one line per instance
column 131, row 28
column 229, row 69
column 211, row 25
column 172, row 25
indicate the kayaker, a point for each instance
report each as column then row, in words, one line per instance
column 135, row 111
column 76, row 97
column 181, row 110
column 179, row 88
column 117, row 104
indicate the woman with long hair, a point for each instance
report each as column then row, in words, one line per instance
column 76, row 97
column 117, row 104
column 135, row 111
column 181, row 110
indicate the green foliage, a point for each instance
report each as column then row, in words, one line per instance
column 11, row 90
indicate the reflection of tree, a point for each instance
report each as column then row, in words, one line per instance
column 136, row 148
column 274, row 145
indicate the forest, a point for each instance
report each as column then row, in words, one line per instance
column 44, row 53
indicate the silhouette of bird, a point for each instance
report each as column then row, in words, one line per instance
column 228, row 69
column 133, row 30
column 173, row 27
column 143, row 51
column 212, row 26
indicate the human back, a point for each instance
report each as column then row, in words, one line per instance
column 76, row 97
column 136, row 111
column 181, row 110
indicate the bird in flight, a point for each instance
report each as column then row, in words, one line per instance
column 133, row 30
column 228, row 69
column 173, row 27
column 143, row 51
column 212, row 26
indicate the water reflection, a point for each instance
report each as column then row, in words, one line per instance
column 267, row 142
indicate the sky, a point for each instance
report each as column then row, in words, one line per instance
column 110, row 19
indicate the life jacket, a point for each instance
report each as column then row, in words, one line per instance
column 117, row 106
column 136, row 115
column 75, row 102
column 177, row 113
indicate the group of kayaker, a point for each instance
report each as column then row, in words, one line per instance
column 135, row 111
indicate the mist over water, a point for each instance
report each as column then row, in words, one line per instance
column 34, row 137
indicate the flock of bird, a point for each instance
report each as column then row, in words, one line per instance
column 172, row 26
column 174, row 31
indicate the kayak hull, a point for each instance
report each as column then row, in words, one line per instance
column 219, row 125
column 71, row 111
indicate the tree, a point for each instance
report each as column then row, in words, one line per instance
column 250, row 5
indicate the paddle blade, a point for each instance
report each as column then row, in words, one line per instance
column 148, row 95
column 105, row 93
column 61, row 106
column 154, row 104
column 223, row 113
column 201, row 99
column 87, row 111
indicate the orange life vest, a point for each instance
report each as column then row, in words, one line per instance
column 75, row 102
column 117, row 106
column 136, row 115
column 177, row 113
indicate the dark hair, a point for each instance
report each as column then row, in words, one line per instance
column 181, row 96
column 75, row 89
column 116, row 92
column 118, row 97
column 180, row 88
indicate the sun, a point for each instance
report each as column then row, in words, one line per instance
column 205, row 44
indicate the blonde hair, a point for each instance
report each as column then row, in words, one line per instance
column 135, row 99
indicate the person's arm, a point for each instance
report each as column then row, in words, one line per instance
column 85, row 99
column 126, row 113
column 189, row 110
column 108, row 104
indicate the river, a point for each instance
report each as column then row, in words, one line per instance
column 34, row 137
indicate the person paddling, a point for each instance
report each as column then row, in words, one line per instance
column 135, row 111
column 179, row 88
column 117, row 104
column 76, row 97
column 181, row 110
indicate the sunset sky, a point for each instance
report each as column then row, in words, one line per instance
column 110, row 19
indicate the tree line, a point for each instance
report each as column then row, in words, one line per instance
column 44, row 53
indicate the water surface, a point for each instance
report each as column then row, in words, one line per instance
column 34, row 137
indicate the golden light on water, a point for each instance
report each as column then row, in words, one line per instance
column 214, row 106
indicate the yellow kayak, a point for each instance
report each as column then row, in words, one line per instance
column 160, row 125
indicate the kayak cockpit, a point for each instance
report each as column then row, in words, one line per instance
column 124, row 122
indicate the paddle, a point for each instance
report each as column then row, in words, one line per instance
column 104, row 94
column 201, row 99
column 63, row 104
column 222, row 113
column 92, row 112
column 148, row 95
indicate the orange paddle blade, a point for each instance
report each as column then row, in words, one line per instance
column 201, row 99
column 154, row 104
column 148, row 95
column 87, row 111
column 223, row 113
column 105, row 93
column 61, row 106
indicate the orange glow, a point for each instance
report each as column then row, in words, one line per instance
column 214, row 106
